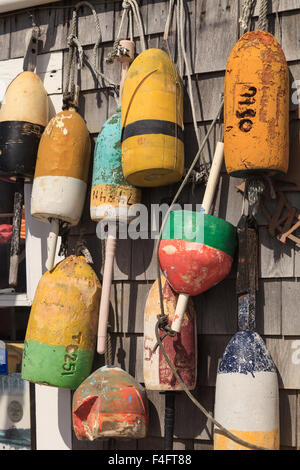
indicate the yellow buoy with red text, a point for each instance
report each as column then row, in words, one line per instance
column 62, row 328
column 256, row 107
column 152, row 121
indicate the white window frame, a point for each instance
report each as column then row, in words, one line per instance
column 49, row 68
column 35, row 255
column 52, row 405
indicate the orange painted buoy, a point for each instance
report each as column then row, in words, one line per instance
column 256, row 107
column 110, row 403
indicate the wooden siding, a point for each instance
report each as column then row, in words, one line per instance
column 213, row 29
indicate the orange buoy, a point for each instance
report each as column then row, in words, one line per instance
column 110, row 403
column 256, row 107
column 60, row 179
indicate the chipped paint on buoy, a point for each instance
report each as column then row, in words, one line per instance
column 152, row 121
column 181, row 349
column 247, row 396
column 61, row 174
column 111, row 193
column 110, row 403
column 196, row 251
column 61, row 332
column 256, row 107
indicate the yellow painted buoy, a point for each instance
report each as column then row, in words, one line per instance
column 152, row 121
column 23, row 118
column 62, row 328
column 256, row 107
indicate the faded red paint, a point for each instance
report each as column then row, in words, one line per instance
column 181, row 349
column 192, row 268
column 110, row 405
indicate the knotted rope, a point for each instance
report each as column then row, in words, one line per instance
column 69, row 94
column 246, row 14
column 262, row 24
column 130, row 7
column 162, row 319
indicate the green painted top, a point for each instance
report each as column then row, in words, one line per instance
column 201, row 228
column 107, row 167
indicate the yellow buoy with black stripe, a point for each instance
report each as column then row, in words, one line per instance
column 62, row 328
column 152, row 121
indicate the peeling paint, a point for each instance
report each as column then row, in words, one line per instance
column 256, row 107
column 110, row 403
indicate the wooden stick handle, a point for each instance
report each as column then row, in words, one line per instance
column 181, row 307
column 15, row 240
column 213, row 178
column 105, row 294
column 51, row 243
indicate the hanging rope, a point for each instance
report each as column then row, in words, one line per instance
column 75, row 47
column 246, row 14
column 108, row 356
column 222, row 430
column 162, row 319
column 131, row 8
column 262, row 24
column 182, row 58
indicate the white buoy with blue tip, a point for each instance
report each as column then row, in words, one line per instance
column 247, row 394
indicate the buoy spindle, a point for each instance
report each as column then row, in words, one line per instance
column 98, row 173
column 206, row 207
column 110, row 250
column 52, row 243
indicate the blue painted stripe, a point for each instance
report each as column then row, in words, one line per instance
column 246, row 353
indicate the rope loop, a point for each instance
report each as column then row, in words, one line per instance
column 117, row 51
column 129, row 7
column 126, row 5
column 75, row 48
column 246, row 14
column 262, row 24
column 69, row 102
column 163, row 325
